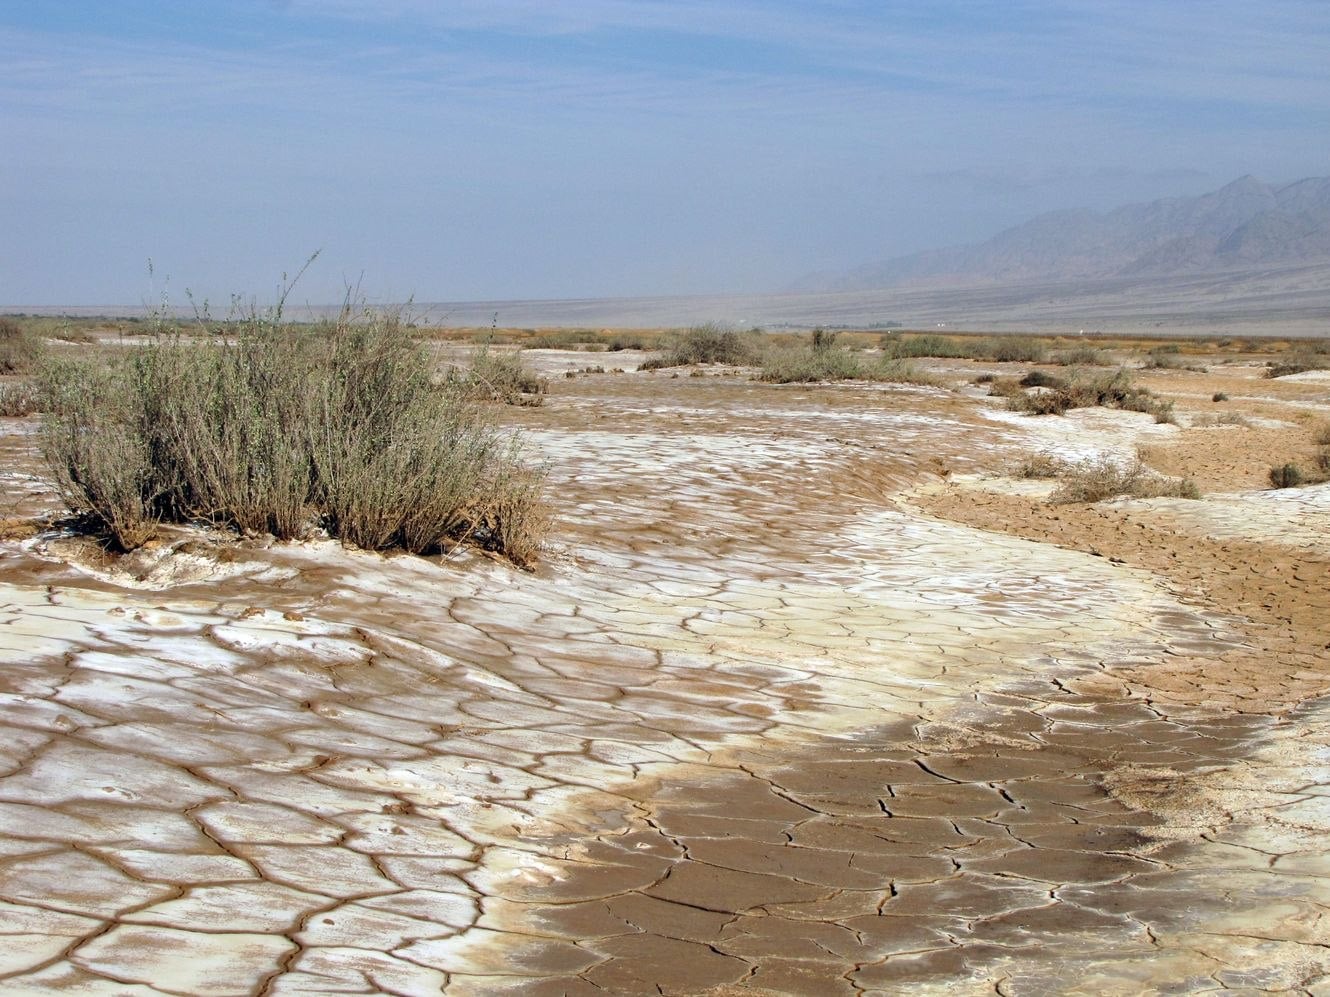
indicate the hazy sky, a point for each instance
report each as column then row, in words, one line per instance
column 466, row 149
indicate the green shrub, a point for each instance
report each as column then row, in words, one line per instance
column 1286, row 476
column 276, row 429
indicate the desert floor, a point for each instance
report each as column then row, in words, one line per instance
column 809, row 696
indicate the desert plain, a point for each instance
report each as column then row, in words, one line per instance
column 813, row 691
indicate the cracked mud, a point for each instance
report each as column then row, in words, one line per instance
column 785, row 713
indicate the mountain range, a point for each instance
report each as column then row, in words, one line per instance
column 1244, row 225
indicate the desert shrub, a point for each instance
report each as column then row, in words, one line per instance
column 1094, row 481
column 1223, row 419
column 1010, row 349
column 889, row 371
column 1219, row 396
column 1082, row 356
column 808, row 364
column 1041, row 379
column 20, row 398
column 1004, row 387
column 1297, row 363
column 1286, row 476
column 1041, row 465
column 276, row 429
column 927, row 345
column 624, row 342
column 1321, row 434
column 1107, row 390
column 498, row 375
column 709, row 343
column 19, row 349
column 986, row 378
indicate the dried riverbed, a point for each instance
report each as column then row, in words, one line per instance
column 804, row 701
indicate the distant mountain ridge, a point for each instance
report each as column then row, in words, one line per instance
column 1244, row 224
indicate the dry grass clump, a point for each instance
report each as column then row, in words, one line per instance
column 821, row 359
column 1094, row 481
column 709, row 343
column 1081, row 390
column 1222, row 419
column 20, row 350
column 998, row 348
column 20, row 398
column 499, row 376
column 279, row 430
column 1042, row 465
column 788, row 365
column 1292, row 475
column 1083, row 356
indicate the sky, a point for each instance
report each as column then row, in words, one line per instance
column 504, row 149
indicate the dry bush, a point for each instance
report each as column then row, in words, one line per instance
column 1004, row 387
column 902, row 372
column 20, row 398
column 710, row 343
column 20, row 350
column 1081, row 390
column 1321, row 434
column 1286, row 476
column 1298, row 363
column 498, row 375
column 1042, row 379
column 1083, row 356
column 807, row 364
column 1094, row 481
column 1042, row 465
column 276, row 429
column 1222, row 419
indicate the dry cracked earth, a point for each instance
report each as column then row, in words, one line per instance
column 808, row 697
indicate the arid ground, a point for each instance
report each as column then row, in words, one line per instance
column 811, row 694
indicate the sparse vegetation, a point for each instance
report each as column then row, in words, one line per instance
column 278, row 430
column 1041, row 465
column 1094, row 481
column 1080, row 390
column 19, row 349
column 1083, row 356
column 999, row 348
column 709, row 343
column 19, row 398
column 1286, row 476
column 498, row 375
column 1222, row 419
column 1219, row 396
column 1298, row 363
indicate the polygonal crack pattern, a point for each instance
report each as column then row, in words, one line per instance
column 757, row 729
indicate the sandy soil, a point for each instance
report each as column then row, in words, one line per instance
column 808, row 698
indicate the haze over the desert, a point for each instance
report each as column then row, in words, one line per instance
column 610, row 148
